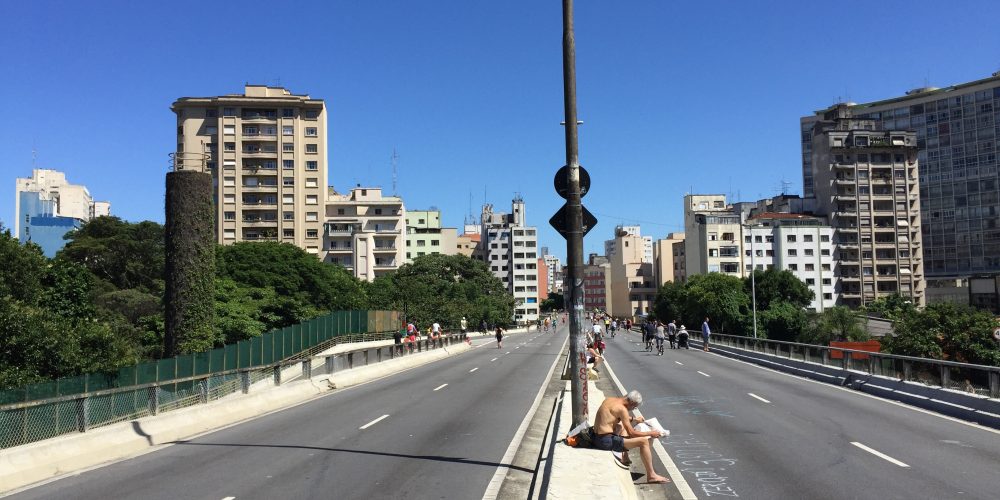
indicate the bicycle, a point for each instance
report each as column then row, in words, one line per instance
column 659, row 347
column 649, row 345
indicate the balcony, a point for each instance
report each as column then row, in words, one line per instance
column 390, row 249
column 385, row 265
column 260, row 136
column 260, row 203
column 257, row 222
column 385, row 230
column 260, row 117
column 341, row 250
column 844, row 181
column 339, row 231
column 260, row 153
column 259, row 188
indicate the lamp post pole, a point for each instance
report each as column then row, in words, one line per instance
column 574, row 219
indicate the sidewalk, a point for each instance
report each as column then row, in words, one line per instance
column 583, row 473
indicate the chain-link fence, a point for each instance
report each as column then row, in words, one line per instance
column 75, row 404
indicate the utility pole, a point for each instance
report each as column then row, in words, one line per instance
column 574, row 227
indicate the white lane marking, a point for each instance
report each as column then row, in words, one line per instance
column 752, row 395
column 879, row 454
column 229, row 498
column 442, row 386
column 492, row 360
column 675, row 474
column 493, row 489
column 474, row 369
column 373, row 422
column 703, row 373
column 678, row 362
column 508, row 352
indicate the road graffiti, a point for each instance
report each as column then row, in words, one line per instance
column 708, row 468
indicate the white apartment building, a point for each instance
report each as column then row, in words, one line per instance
column 425, row 236
column 647, row 241
column 46, row 207
column 711, row 230
column 267, row 152
column 364, row 232
column 510, row 249
column 797, row 243
column 553, row 268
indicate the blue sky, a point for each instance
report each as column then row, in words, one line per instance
column 704, row 96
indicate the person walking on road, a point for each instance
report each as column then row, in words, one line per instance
column 465, row 327
column 705, row 333
column 672, row 333
column 613, row 421
column 659, row 338
column 499, row 337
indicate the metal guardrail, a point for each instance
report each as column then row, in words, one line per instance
column 31, row 421
column 976, row 379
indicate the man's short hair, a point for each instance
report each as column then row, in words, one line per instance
column 634, row 397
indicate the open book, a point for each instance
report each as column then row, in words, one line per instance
column 652, row 425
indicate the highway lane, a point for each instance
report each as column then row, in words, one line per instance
column 447, row 427
column 738, row 429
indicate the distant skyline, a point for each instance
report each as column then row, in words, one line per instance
column 702, row 98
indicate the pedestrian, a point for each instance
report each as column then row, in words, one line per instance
column 465, row 328
column 397, row 338
column 436, row 332
column 705, row 333
column 682, row 338
column 482, row 327
column 499, row 337
column 659, row 338
column 672, row 333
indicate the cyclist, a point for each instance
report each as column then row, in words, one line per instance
column 648, row 330
column 659, row 338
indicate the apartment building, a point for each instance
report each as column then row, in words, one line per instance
column 267, row 152
column 633, row 283
column 596, row 284
column 711, row 229
column 509, row 247
column 553, row 270
column 668, row 260
column 363, row 231
column 798, row 243
column 956, row 130
column 866, row 180
column 47, row 207
column 647, row 241
column 467, row 243
column 425, row 236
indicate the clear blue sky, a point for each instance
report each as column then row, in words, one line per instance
column 703, row 97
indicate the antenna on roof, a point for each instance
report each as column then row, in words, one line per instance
column 395, row 158
column 34, row 155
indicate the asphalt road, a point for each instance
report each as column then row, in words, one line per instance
column 738, row 430
column 447, row 427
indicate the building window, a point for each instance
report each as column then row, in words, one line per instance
column 311, row 148
column 312, row 113
column 211, row 113
column 793, row 267
column 287, row 199
column 312, row 199
column 810, row 281
column 826, row 267
column 790, row 238
column 229, row 234
column 311, row 132
column 288, row 113
column 211, row 130
column 435, row 242
column 229, row 181
column 421, row 243
column 826, row 281
column 808, row 252
column 793, row 252
column 288, row 215
column 288, row 233
column 312, row 216
column 340, row 211
column 311, row 182
column 312, row 233
column 807, row 238
column 287, row 130
column 824, row 238
column 824, row 252
column 229, row 198
column 288, row 164
column 287, row 147
column 229, row 216
column 378, row 211
column 312, row 165
column 827, row 296
column 229, row 112
column 288, row 181
column 810, row 267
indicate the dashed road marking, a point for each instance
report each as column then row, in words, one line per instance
column 373, row 422
column 442, row 386
column 703, row 373
column 678, row 362
column 879, row 454
column 752, row 395
column 229, row 498
column 474, row 369
column 492, row 360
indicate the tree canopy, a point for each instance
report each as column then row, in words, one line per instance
column 946, row 331
column 775, row 285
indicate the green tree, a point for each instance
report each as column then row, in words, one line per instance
column 892, row 307
column 23, row 269
column 124, row 254
column 946, row 331
column 670, row 300
column 444, row 288
column 719, row 297
column 783, row 321
column 554, row 302
column 774, row 285
column 834, row 324
column 291, row 272
column 69, row 289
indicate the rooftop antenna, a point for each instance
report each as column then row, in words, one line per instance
column 34, row 156
column 395, row 158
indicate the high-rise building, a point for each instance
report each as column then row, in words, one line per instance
column 267, row 152
column 668, row 260
column 596, row 284
column 956, row 130
column 47, row 207
column 798, row 243
column 711, row 228
column 425, row 236
column 865, row 179
column 509, row 247
column 633, row 281
column 364, row 232
column 647, row 241
column 553, row 270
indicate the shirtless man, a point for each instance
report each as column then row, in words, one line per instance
column 613, row 417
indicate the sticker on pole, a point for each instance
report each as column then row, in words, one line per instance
column 561, row 182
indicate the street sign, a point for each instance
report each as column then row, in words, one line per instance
column 996, row 334
column 562, row 185
column 559, row 222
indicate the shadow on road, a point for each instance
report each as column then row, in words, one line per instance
column 435, row 458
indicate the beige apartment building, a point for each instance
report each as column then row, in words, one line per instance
column 267, row 152
column 865, row 180
column 364, row 232
column 711, row 236
column 633, row 284
column 425, row 236
column 668, row 259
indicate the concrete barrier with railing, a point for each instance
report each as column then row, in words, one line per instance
column 962, row 390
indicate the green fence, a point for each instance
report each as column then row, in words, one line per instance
column 269, row 348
